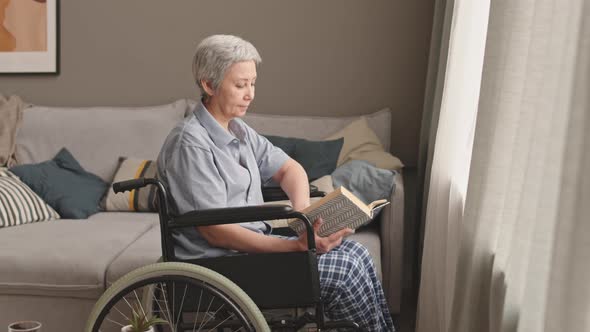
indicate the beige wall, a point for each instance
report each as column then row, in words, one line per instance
column 322, row 57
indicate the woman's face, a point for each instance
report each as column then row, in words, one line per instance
column 236, row 91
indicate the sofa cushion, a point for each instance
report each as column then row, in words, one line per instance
column 318, row 158
column 142, row 199
column 318, row 127
column 364, row 180
column 64, row 185
column 97, row 136
column 67, row 258
column 361, row 143
column 369, row 237
column 147, row 249
column 287, row 144
column 19, row 204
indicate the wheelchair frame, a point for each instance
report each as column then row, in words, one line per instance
column 293, row 275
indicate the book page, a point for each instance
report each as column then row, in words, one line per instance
column 378, row 204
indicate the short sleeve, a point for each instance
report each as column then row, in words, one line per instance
column 268, row 157
column 194, row 181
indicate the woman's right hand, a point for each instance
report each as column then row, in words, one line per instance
column 325, row 244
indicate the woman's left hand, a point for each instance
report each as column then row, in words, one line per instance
column 325, row 244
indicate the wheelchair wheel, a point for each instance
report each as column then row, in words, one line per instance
column 188, row 297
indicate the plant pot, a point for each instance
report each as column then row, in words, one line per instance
column 128, row 329
column 25, row 326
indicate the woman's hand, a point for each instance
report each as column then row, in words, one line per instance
column 324, row 244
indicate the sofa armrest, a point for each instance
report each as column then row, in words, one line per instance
column 392, row 243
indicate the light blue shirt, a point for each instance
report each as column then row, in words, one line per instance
column 204, row 166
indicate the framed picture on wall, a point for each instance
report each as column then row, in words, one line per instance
column 29, row 37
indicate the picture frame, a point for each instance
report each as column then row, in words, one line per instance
column 29, row 37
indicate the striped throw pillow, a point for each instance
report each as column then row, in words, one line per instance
column 140, row 200
column 19, row 204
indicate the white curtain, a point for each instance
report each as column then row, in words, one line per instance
column 507, row 239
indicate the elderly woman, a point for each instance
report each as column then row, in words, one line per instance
column 213, row 159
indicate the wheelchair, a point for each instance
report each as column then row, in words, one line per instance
column 222, row 293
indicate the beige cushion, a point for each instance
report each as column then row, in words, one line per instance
column 67, row 258
column 135, row 200
column 324, row 184
column 97, row 136
column 361, row 143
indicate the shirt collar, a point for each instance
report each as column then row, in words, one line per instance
column 218, row 134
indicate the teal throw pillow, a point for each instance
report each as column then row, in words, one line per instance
column 64, row 185
column 318, row 158
column 286, row 144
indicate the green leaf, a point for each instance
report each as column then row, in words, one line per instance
column 140, row 323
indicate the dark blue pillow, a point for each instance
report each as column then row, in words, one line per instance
column 318, row 158
column 64, row 185
column 286, row 144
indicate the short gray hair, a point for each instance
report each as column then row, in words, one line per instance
column 215, row 54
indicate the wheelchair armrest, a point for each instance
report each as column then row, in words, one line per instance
column 232, row 215
column 236, row 215
column 132, row 184
column 270, row 194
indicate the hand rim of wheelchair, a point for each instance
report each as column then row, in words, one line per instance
column 211, row 281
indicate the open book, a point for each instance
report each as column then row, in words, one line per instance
column 339, row 209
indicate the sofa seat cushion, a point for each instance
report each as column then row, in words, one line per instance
column 67, row 257
column 369, row 237
column 147, row 249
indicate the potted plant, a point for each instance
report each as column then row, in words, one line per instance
column 139, row 322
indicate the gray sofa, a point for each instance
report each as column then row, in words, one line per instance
column 54, row 271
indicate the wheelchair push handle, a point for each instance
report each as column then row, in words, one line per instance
column 126, row 185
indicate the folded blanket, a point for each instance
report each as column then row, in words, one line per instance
column 11, row 114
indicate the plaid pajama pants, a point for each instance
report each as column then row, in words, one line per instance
column 350, row 288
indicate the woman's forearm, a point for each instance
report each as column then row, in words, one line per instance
column 293, row 180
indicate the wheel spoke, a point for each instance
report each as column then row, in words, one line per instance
column 182, row 303
column 170, row 323
column 173, row 301
column 140, row 305
column 216, row 326
column 206, row 311
column 122, row 314
column 128, row 304
column 198, row 310
column 112, row 321
column 164, row 316
column 208, row 303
